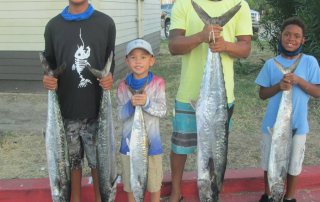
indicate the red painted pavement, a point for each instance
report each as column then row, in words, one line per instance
column 245, row 185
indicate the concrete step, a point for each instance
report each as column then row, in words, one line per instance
column 243, row 185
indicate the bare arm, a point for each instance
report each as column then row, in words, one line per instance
column 239, row 49
column 179, row 44
column 286, row 84
column 309, row 88
column 267, row 92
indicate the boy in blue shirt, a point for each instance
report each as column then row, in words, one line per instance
column 304, row 82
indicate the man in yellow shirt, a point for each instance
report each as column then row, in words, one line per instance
column 189, row 37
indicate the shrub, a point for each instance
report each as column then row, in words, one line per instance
column 279, row 10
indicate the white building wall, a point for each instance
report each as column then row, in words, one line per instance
column 22, row 22
column 152, row 13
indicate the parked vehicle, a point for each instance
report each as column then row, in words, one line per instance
column 165, row 18
column 255, row 17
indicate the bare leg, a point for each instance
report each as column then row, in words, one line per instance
column 76, row 175
column 177, row 166
column 292, row 182
column 130, row 197
column 155, row 196
column 95, row 178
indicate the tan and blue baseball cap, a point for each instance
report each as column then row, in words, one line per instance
column 139, row 43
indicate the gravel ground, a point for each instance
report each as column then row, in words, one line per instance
column 22, row 150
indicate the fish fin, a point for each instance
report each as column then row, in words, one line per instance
column 224, row 19
column 128, row 142
column 48, row 70
column 59, row 70
column 206, row 19
column 292, row 68
column 284, row 172
column 44, row 63
column 105, row 71
column 211, row 166
column 269, row 131
column 90, row 180
column 115, row 181
column 113, row 189
column 193, row 104
column 221, row 20
column 279, row 66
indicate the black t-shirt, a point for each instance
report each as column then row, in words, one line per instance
column 79, row 44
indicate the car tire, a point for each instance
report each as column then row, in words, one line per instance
column 166, row 28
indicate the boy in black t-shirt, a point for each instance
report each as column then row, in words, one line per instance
column 80, row 37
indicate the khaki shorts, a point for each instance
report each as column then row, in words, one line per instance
column 155, row 173
column 296, row 157
column 81, row 138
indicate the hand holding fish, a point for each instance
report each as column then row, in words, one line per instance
column 49, row 82
column 139, row 99
column 293, row 79
column 285, row 83
column 106, row 82
column 220, row 45
column 210, row 33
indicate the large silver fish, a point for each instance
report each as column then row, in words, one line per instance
column 138, row 146
column 106, row 160
column 281, row 141
column 212, row 118
column 56, row 143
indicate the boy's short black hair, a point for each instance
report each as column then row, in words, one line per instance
column 294, row 21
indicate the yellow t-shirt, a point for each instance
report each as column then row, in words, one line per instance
column 184, row 17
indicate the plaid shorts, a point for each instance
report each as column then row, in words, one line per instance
column 81, row 138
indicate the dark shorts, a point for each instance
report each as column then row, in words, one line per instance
column 184, row 135
column 81, row 138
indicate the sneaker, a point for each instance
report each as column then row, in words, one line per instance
column 265, row 198
column 291, row 200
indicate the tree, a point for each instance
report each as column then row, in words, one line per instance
column 257, row 5
column 279, row 10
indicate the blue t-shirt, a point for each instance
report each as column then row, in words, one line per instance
column 270, row 75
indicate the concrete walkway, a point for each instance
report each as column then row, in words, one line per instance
column 23, row 111
column 243, row 185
